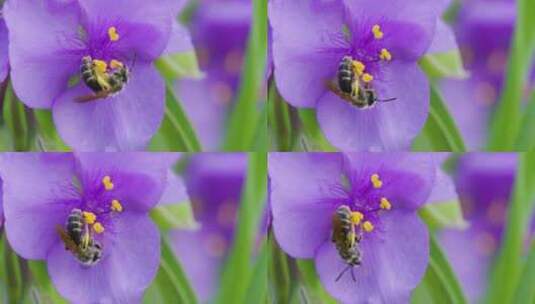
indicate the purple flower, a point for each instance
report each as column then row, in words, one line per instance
column 87, row 216
column 219, row 31
column 4, row 63
column 382, row 191
column 1, row 206
column 214, row 184
column 113, row 44
column 382, row 41
column 484, row 30
column 484, row 182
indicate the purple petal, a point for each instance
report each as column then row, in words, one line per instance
column 126, row 121
column 43, row 36
column 444, row 39
column 408, row 177
column 305, row 59
column 4, row 63
column 417, row 15
column 129, row 264
column 392, row 264
column 179, row 41
column 37, row 188
column 298, row 183
column 387, row 126
column 444, row 186
column 139, row 178
column 143, row 26
column 175, row 190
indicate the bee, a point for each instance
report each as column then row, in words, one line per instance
column 103, row 84
column 349, row 87
column 346, row 239
column 78, row 240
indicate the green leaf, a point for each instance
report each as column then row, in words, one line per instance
column 316, row 141
column 12, row 275
column 443, row 215
column 280, row 281
column 42, row 281
column 174, row 216
column 280, row 124
column 49, row 138
column 171, row 284
column 257, row 291
column 506, row 121
column 526, row 140
column 525, row 292
column 311, row 283
column 508, row 265
column 439, row 285
column 440, row 132
column 441, row 65
column 16, row 120
column 244, row 117
column 180, row 65
column 176, row 131
column 238, row 265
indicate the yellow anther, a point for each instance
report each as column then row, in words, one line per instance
column 367, row 226
column 106, row 181
column 100, row 66
column 367, row 77
column 356, row 217
column 385, row 55
column 377, row 33
column 385, row 204
column 98, row 227
column 358, row 67
column 376, row 181
column 116, row 206
column 89, row 217
column 115, row 64
column 112, row 34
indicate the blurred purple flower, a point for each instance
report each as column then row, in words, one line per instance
column 49, row 39
column 1, row 206
column 219, row 30
column 115, row 193
column 383, row 192
column 214, row 184
column 484, row 182
column 484, row 31
column 385, row 39
column 4, row 63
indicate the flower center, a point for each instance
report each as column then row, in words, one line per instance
column 83, row 225
column 355, row 74
column 103, row 78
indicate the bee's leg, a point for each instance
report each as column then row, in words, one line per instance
column 342, row 273
column 353, row 275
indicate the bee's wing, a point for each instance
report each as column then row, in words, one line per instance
column 92, row 97
column 70, row 244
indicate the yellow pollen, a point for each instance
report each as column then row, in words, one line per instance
column 385, row 204
column 367, row 226
column 358, row 67
column 98, row 227
column 356, row 217
column 100, row 66
column 377, row 33
column 376, row 181
column 115, row 64
column 385, row 55
column 112, row 34
column 116, row 206
column 367, row 77
column 89, row 217
column 106, row 181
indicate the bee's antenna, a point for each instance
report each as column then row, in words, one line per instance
column 386, row 100
column 344, row 271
